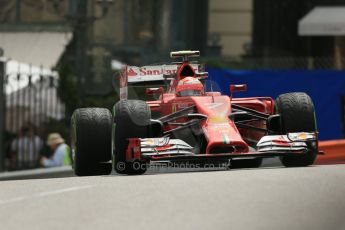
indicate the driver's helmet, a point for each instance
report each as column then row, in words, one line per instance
column 189, row 86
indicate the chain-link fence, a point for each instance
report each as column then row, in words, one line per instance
column 279, row 63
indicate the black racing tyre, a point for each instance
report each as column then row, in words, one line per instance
column 132, row 119
column 91, row 141
column 297, row 115
column 246, row 163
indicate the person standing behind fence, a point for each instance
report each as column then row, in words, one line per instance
column 25, row 148
column 61, row 152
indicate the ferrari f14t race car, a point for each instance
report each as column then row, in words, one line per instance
column 188, row 124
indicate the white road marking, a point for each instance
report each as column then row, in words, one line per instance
column 44, row 194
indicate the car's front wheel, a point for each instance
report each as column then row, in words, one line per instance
column 297, row 115
column 132, row 119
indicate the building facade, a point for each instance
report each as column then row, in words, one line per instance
column 275, row 29
column 230, row 26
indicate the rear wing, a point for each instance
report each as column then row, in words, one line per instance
column 185, row 54
column 131, row 75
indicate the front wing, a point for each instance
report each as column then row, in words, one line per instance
column 167, row 149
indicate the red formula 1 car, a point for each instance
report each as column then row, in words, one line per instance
column 188, row 125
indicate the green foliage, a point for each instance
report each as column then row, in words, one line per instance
column 68, row 89
column 102, row 102
column 230, row 62
column 68, row 92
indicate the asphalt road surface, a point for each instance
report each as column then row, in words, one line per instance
column 266, row 198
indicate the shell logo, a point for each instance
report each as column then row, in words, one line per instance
column 302, row 136
column 150, row 142
column 218, row 119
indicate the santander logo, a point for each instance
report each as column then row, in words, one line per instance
column 152, row 73
column 133, row 71
column 144, row 71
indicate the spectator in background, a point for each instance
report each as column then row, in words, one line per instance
column 61, row 152
column 25, row 148
column 8, row 138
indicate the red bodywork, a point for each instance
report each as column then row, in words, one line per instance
column 219, row 130
column 210, row 126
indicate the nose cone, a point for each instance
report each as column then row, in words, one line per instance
column 220, row 132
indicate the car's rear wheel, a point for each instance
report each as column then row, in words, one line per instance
column 297, row 115
column 91, row 141
column 132, row 119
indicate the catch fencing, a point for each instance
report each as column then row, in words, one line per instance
column 277, row 63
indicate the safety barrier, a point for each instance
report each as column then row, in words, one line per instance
column 40, row 173
column 334, row 152
column 328, row 102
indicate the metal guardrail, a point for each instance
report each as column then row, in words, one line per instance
column 66, row 171
column 41, row 173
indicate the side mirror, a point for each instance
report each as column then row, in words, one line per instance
column 152, row 91
column 202, row 75
column 169, row 76
column 238, row 88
